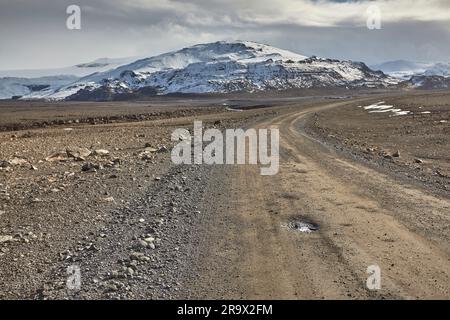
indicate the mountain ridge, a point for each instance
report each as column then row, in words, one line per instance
column 406, row 69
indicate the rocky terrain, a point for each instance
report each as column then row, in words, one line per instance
column 104, row 197
column 414, row 144
column 355, row 188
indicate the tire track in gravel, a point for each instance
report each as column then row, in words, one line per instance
column 123, row 265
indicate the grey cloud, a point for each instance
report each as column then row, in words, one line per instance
column 33, row 33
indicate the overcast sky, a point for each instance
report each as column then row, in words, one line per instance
column 33, row 33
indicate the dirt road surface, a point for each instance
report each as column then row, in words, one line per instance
column 364, row 218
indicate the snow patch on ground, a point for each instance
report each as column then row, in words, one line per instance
column 380, row 107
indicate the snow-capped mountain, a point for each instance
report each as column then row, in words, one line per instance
column 218, row 67
column 404, row 69
column 12, row 87
column 79, row 70
column 221, row 67
column 438, row 69
column 418, row 75
column 428, row 82
column 40, row 82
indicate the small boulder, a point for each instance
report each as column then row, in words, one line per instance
column 149, row 239
column 58, row 156
column 79, row 154
column 150, row 149
column 143, row 244
column 18, row 161
column 101, row 152
column 109, row 199
column 4, row 164
column 4, row 239
column 163, row 149
column 90, row 167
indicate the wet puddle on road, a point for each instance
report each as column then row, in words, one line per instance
column 301, row 226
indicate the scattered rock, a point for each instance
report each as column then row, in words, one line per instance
column 163, row 149
column 58, row 156
column 147, row 153
column 109, row 199
column 136, row 256
column 5, row 239
column 111, row 287
column 143, row 244
column 79, row 154
column 396, row 154
column 4, row 164
column 18, row 161
column 441, row 174
column 101, row 152
column 417, row 160
column 149, row 239
column 182, row 137
column 90, row 167
column 149, row 149
column 146, row 156
column 91, row 247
